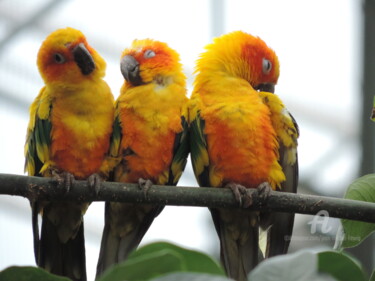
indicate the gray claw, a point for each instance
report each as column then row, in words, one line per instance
column 264, row 190
column 145, row 185
column 57, row 177
column 69, row 181
column 94, row 181
column 240, row 194
column 65, row 180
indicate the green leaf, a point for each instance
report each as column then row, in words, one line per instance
column 28, row 273
column 158, row 259
column 372, row 278
column 191, row 277
column 340, row 266
column 299, row 266
column 193, row 261
column 355, row 232
column 145, row 267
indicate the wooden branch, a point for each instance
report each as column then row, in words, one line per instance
column 36, row 188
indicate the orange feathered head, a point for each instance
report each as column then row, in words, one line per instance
column 149, row 61
column 241, row 55
column 66, row 57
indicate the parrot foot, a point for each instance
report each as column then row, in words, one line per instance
column 145, row 185
column 94, row 181
column 240, row 194
column 264, row 191
column 64, row 180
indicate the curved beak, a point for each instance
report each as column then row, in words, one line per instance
column 266, row 87
column 83, row 59
column 130, row 70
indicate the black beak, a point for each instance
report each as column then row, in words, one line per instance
column 130, row 70
column 266, row 87
column 83, row 59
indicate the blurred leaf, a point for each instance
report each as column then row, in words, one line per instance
column 191, row 277
column 355, row 232
column 145, row 267
column 194, row 261
column 157, row 259
column 300, row 266
column 340, row 266
column 28, row 273
column 372, row 278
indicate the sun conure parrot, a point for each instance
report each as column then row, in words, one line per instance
column 67, row 138
column 150, row 136
column 242, row 137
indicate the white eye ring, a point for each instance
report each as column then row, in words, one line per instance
column 267, row 66
column 59, row 58
column 149, row 54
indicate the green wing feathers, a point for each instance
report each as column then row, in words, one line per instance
column 38, row 139
column 115, row 142
column 285, row 127
column 287, row 133
column 180, row 153
column 113, row 157
column 198, row 146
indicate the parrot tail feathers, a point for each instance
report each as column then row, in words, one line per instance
column 250, row 253
column 108, row 250
column 116, row 248
column 239, row 249
column 65, row 259
column 279, row 234
column 239, row 259
column 35, row 224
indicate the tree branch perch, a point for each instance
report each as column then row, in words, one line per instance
column 36, row 188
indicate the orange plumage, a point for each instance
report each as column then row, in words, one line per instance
column 68, row 138
column 242, row 137
column 79, row 145
column 150, row 140
column 242, row 143
column 237, row 154
column 152, row 148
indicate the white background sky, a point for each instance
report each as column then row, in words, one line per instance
column 318, row 44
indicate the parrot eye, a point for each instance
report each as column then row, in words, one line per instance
column 267, row 66
column 59, row 58
column 149, row 54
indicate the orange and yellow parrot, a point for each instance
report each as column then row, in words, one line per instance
column 150, row 138
column 243, row 137
column 68, row 137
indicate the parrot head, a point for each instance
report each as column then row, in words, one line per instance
column 240, row 54
column 66, row 57
column 148, row 61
